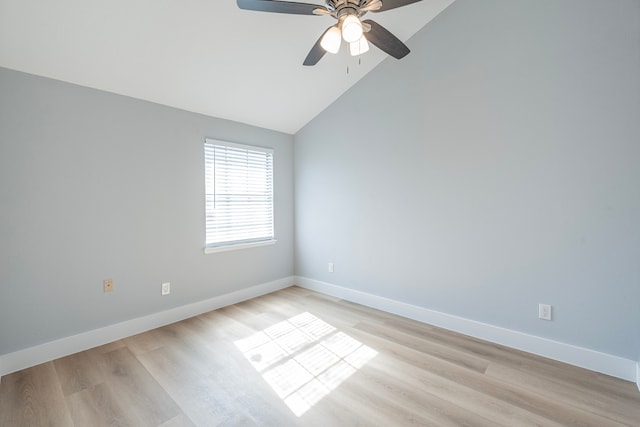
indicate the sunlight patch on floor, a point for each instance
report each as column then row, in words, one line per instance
column 304, row 358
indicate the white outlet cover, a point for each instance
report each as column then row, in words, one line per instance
column 330, row 267
column 166, row 288
column 544, row 311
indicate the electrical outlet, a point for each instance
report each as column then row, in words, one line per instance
column 107, row 285
column 166, row 288
column 330, row 266
column 544, row 311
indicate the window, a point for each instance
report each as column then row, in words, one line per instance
column 239, row 195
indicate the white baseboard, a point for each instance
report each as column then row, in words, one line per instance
column 593, row 360
column 32, row 356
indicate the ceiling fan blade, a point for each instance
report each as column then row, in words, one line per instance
column 279, row 6
column 371, row 6
column 392, row 4
column 385, row 41
column 317, row 52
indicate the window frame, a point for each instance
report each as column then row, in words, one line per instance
column 229, row 245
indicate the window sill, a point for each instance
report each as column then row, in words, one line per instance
column 239, row 246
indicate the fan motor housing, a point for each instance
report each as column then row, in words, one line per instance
column 340, row 9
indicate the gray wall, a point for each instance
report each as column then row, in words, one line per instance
column 94, row 186
column 494, row 168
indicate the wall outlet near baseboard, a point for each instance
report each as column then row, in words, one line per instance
column 330, row 267
column 107, row 285
column 544, row 311
column 166, row 288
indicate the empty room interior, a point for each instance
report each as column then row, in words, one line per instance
column 208, row 218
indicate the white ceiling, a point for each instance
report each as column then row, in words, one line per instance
column 205, row 56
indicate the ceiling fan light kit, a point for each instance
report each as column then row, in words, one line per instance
column 359, row 47
column 350, row 27
column 331, row 40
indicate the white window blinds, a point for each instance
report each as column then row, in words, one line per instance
column 239, row 194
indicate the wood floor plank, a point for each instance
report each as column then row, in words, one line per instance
column 33, row 397
column 78, row 372
column 180, row 421
column 299, row 358
column 349, row 311
column 433, row 375
column 226, row 327
column 363, row 393
column 408, row 402
column 137, row 391
column 623, row 411
column 144, row 342
column 478, row 406
column 432, row 348
column 200, row 399
column 540, row 366
column 98, row 406
column 518, row 396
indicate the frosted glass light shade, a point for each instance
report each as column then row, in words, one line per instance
column 351, row 29
column 331, row 40
column 359, row 47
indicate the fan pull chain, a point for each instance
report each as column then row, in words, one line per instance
column 359, row 64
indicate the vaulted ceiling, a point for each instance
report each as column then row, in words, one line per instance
column 204, row 56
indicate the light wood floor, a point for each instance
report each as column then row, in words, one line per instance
column 296, row 357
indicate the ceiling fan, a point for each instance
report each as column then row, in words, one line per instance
column 349, row 27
